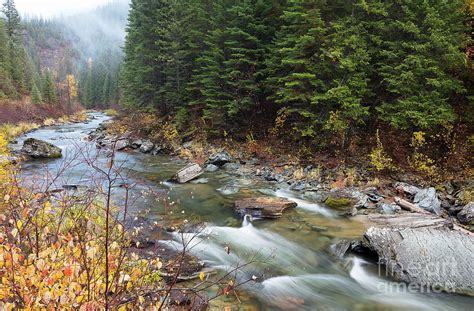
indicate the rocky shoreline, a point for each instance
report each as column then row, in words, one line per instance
column 407, row 224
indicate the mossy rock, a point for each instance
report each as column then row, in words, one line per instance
column 338, row 202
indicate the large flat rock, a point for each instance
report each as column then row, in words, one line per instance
column 263, row 207
column 424, row 250
column 39, row 149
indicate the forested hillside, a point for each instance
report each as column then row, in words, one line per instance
column 329, row 73
column 59, row 61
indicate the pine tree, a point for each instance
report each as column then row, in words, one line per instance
column 6, row 84
column 36, row 95
column 106, row 91
column 12, row 21
column 50, row 95
column 16, row 50
column 142, row 74
column 292, row 67
column 243, row 49
column 421, row 49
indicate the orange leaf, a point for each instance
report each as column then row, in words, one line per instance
column 68, row 272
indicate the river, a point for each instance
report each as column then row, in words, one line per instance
column 299, row 271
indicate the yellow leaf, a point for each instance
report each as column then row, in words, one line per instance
column 6, row 198
column 201, row 276
column 141, row 299
column 129, row 285
column 122, row 308
column 19, row 224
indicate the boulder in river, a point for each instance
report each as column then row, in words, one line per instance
column 428, row 200
column 219, row 158
column 424, row 250
column 466, row 215
column 39, row 149
column 147, row 146
column 263, row 207
column 188, row 173
column 211, row 168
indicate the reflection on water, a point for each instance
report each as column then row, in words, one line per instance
column 292, row 253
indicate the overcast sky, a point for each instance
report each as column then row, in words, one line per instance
column 48, row 8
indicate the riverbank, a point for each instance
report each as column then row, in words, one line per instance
column 353, row 190
column 388, row 205
column 290, row 256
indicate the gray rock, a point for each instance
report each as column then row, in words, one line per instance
column 121, row 144
column 388, row 209
column 423, row 250
column 157, row 150
column 229, row 190
column 454, row 210
column 231, row 166
column 428, row 200
column 219, row 158
column 135, row 144
column 466, row 215
column 211, row 168
column 147, row 146
column 412, row 190
column 298, row 186
column 39, row 149
column 362, row 200
column 188, row 173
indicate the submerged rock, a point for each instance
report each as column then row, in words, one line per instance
column 264, row 207
column 229, row 190
column 231, row 166
column 211, row 168
column 39, row 149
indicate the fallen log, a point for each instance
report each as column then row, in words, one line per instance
column 410, row 206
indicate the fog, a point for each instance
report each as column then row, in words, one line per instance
column 50, row 8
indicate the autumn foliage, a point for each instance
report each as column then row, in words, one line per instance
column 52, row 252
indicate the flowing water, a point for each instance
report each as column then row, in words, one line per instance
column 292, row 255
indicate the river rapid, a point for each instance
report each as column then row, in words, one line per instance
column 295, row 266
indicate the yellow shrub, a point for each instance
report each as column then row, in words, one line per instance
column 10, row 131
column 419, row 160
column 49, row 122
column 378, row 158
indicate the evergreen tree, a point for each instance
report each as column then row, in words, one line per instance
column 6, row 84
column 422, row 47
column 36, row 95
column 50, row 95
column 293, row 65
column 142, row 73
column 12, row 21
column 106, row 91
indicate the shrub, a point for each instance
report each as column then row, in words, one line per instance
column 379, row 160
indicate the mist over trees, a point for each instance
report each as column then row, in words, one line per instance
column 42, row 57
column 318, row 67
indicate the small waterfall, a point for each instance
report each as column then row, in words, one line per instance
column 306, row 205
column 248, row 219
